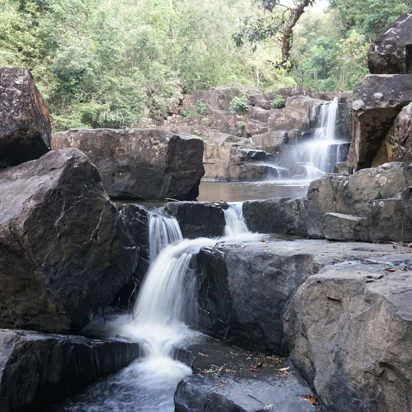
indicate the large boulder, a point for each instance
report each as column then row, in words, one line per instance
column 391, row 52
column 245, row 289
column 199, row 219
column 24, row 121
column 232, row 380
column 136, row 220
column 37, row 369
column 334, row 204
column 349, row 328
column 275, row 216
column 300, row 113
column 377, row 101
column 147, row 164
column 397, row 145
column 64, row 251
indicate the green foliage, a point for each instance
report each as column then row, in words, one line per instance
column 201, row 106
column 106, row 63
column 278, row 101
column 239, row 104
column 369, row 17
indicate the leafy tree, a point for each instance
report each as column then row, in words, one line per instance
column 280, row 22
column 369, row 17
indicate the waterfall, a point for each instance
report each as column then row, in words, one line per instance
column 313, row 158
column 163, row 312
column 163, row 230
column 235, row 224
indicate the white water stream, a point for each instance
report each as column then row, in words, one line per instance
column 311, row 159
column 163, row 312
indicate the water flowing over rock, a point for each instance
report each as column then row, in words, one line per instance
column 378, row 100
column 37, row 369
column 64, row 250
column 349, row 328
column 24, row 121
column 147, row 164
column 391, row 52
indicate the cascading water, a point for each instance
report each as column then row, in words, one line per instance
column 313, row 158
column 314, row 155
column 235, row 224
column 162, row 312
column 163, row 231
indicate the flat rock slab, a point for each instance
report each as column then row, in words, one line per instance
column 245, row 289
column 25, row 128
column 37, row 369
column 229, row 379
column 64, row 250
column 145, row 164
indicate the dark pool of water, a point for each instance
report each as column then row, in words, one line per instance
column 242, row 191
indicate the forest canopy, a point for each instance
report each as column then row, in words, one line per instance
column 120, row 63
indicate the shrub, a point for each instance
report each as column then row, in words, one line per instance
column 239, row 104
column 278, row 101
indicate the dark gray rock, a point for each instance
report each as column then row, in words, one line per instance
column 229, row 380
column 300, row 113
column 391, row 52
column 377, row 101
column 64, row 251
column 349, row 328
column 358, row 195
column 145, row 164
column 338, row 226
column 199, row 219
column 259, row 114
column 136, row 219
column 244, row 289
column 24, row 120
column 275, row 216
column 397, row 145
column 37, row 369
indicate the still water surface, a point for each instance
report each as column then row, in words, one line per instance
column 242, row 191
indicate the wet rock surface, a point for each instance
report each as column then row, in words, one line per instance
column 198, row 219
column 145, row 164
column 136, row 219
column 245, row 289
column 377, row 101
column 391, row 52
column 37, row 369
column 24, row 120
column 229, row 379
column 64, row 251
column 349, row 328
column 275, row 216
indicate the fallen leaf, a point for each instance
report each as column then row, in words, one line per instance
column 224, row 383
column 253, row 369
column 311, row 398
column 393, row 270
column 283, row 369
column 262, row 240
